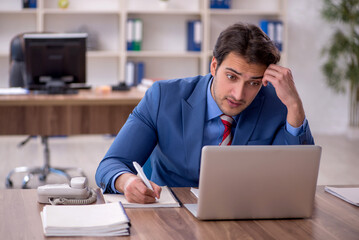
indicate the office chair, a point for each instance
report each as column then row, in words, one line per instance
column 18, row 79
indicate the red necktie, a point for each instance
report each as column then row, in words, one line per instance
column 227, row 135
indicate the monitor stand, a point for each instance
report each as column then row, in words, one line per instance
column 56, row 86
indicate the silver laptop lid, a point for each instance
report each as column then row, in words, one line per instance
column 257, row 182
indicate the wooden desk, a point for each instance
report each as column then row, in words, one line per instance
column 332, row 219
column 82, row 113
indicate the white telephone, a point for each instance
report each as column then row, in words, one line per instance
column 74, row 194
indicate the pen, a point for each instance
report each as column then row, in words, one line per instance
column 142, row 175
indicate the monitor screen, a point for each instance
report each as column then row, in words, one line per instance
column 55, row 59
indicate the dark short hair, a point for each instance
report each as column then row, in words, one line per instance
column 249, row 41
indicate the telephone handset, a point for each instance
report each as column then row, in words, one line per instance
column 74, row 194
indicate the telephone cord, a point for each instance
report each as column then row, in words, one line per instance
column 64, row 201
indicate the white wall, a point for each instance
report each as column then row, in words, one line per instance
column 326, row 110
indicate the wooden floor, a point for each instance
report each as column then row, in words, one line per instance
column 339, row 163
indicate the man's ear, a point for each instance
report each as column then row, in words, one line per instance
column 213, row 66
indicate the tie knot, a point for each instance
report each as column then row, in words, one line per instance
column 227, row 120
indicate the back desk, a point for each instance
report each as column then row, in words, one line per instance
column 84, row 113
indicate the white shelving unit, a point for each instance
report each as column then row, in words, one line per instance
column 164, row 32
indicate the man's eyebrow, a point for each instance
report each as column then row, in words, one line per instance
column 257, row 78
column 231, row 69
column 238, row 73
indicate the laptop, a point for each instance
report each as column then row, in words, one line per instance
column 257, row 182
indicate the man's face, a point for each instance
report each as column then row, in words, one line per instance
column 236, row 83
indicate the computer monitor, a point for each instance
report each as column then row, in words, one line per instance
column 54, row 61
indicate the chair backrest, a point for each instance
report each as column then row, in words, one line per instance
column 17, row 62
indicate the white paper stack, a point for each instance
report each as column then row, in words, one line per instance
column 87, row 220
column 145, row 84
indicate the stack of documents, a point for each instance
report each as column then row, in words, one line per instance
column 87, row 220
column 350, row 195
column 167, row 199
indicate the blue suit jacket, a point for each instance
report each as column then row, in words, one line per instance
column 168, row 125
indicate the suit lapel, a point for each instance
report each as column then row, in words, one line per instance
column 248, row 121
column 193, row 118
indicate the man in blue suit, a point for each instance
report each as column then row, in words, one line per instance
column 176, row 118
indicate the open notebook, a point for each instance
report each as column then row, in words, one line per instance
column 167, row 199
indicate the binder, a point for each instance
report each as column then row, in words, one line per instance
column 134, row 28
column 221, row 4
column 194, row 35
column 213, row 4
column 139, row 72
column 197, row 35
column 190, row 33
column 129, row 36
column 279, row 35
column 268, row 28
column 135, row 72
column 130, row 74
column 137, row 39
column 25, row 3
column 274, row 30
column 29, row 3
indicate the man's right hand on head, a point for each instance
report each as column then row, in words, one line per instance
column 135, row 190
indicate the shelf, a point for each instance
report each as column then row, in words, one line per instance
column 243, row 12
column 165, row 12
column 159, row 54
column 102, row 54
column 164, row 36
column 91, row 54
column 163, row 54
column 72, row 11
column 20, row 11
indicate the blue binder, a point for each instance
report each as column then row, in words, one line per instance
column 139, row 72
column 194, row 35
column 32, row 4
column 221, row 4
column 29, row 3
column 274, row 30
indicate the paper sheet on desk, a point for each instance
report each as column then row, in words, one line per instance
column 13, row 91
column 350, row 195
column 195, row 191
column 167, row 199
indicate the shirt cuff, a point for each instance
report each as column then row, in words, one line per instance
column 114, row 180
column 296, row 131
